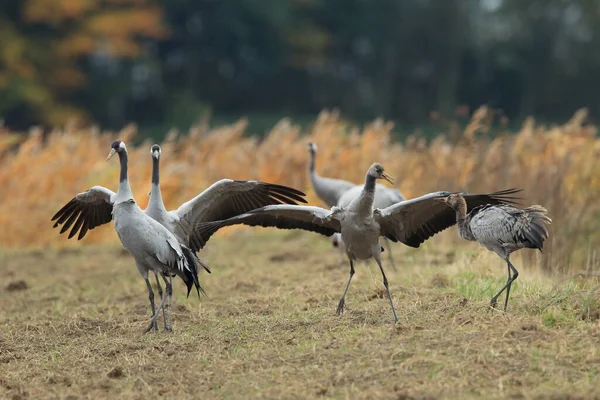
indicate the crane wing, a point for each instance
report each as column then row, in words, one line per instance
column 414, row 221
column 86, row 211
column 227, row 198
column 283, row 216
column 505, row 225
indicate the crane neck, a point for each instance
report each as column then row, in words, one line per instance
column 461, row 210
column 370, row 183
column 124, row 192
column 156, row 201
column 123, row 162
column 311, row 165
column 464, row 228
column 155, row 171
column 367, row 195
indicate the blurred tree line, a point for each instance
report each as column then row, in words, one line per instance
column 164, row 63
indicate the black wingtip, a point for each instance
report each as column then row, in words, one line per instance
column 503, row 196
column 191, row 275
column 189, row 285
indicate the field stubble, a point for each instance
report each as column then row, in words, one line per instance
column 72, row 321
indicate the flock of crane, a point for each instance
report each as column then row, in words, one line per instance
column 167, row 242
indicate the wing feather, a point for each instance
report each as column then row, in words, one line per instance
column 283, row 216
column 85, row 211
column 228, row 198
column 414, row 221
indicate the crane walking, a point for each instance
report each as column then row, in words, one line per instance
column 502, row 229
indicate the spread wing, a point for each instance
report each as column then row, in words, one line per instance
column 227, row 198
column 86, row 211
column 283, row 216
column 414, row 221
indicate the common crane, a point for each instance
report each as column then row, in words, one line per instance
column 223, row 199
column 152, row 246
column 502, row 229
column 327, row 189
column 410, row 222
column 340, row 193
column 384, row 197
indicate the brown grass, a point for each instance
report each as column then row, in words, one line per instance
column 557, row 166
column 72, row 319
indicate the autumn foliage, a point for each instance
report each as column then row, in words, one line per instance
column 557, row 166
column 43, row 44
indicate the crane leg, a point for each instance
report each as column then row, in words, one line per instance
column 160, row 293
column 388, row 246
column 511, row 278
column 340, row 308
column 167, row 309
column 515, row 274
column 387, row 286
column 155, row 316
column 151, row 297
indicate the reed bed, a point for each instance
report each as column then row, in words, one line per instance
column 556, row 165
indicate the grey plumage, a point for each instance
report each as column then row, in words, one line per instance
column 152, row 246
column 410, row 222
column 221, row 200
column 384, row 197
column 338, row 192
column 327, row 189
column 502, row 229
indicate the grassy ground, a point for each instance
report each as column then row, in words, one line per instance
column 71, row 323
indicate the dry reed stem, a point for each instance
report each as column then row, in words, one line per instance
column 557, row 166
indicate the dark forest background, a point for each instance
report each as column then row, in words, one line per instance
column 167, row 63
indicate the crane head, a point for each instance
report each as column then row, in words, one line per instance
column 376, row 171
column 454, row 201
column 312, row 148
column 155, row 151
column 116, row 147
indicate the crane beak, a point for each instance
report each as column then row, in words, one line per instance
column 155, row 154
column 112, row 153
column 387, row 178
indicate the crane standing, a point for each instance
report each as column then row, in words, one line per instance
column 223, row 199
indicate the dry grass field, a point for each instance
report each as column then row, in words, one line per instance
column 72, row 313
column 72, row 319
